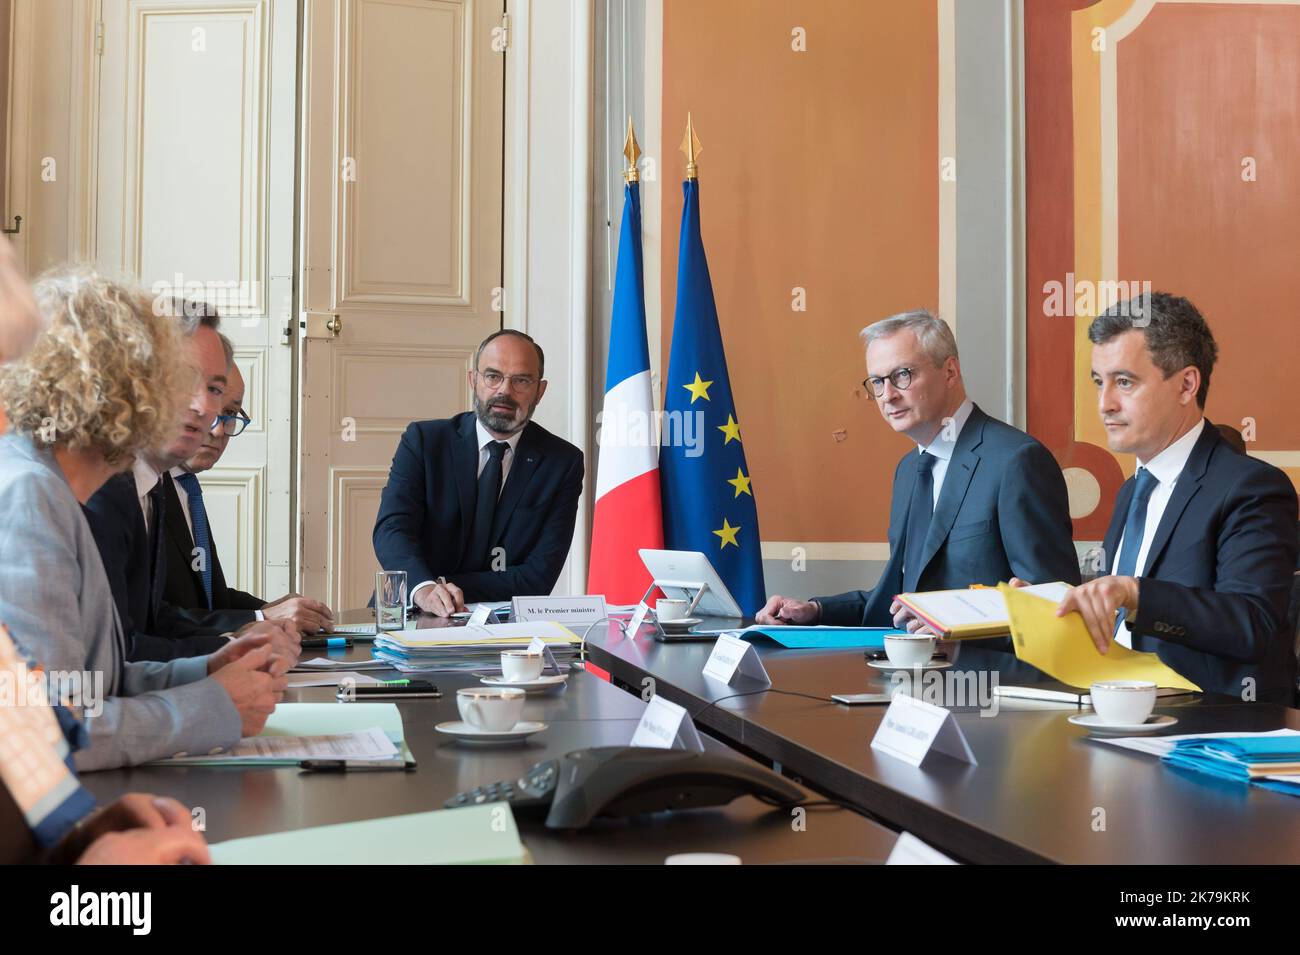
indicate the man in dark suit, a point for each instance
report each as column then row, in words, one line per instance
column 977, row 503
column 1202, row 545
column 482, row 506
column 127, row 517
column 195, row 580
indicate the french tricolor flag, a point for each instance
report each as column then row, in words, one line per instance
column 628, row 513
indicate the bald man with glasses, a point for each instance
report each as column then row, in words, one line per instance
column 974, row 502
column 200, row 585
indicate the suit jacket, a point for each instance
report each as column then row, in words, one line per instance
column 183, row 586
column 1002, row 512
column 155, row 630
column 1212, row 598
column 56, row 600
column 427, row 509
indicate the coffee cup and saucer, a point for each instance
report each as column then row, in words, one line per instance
column 910, row 651
column 1123, row 707
column 523, row 670
column 490, row 714
column 671, row 614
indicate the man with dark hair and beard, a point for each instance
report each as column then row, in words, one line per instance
column 481, row 507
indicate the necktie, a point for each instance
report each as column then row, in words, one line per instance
column 919, row 511
column 157, row 572
column 485, row 506
column 202, row 536
column 1135, row 526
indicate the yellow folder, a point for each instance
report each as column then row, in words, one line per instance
column 1062, row 648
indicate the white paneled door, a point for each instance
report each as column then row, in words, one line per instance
column 193, row 193
column 403, row 104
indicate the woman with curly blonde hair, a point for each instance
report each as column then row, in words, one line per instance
column 104, row 380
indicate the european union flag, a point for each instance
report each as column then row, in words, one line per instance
column 708, row 500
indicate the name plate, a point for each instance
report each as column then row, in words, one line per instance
column 638, row 618
column 480, row 616
column 909, row 850
column 912, row 729
column 665, row 725
column 559, row 609
column 732, row 655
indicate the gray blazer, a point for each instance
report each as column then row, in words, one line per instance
column 56, row 601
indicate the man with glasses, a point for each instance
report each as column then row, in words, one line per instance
column 978, row 502
column 128, row 516
column 481, row 507
column 200, row 585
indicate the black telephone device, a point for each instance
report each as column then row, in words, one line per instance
column 626, row 780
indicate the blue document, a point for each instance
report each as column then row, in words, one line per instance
column 825, row 638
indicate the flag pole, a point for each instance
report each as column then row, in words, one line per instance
column 692, row 148
column 632, row 150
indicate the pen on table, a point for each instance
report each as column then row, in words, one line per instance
column 350, row 765
column 326, row 643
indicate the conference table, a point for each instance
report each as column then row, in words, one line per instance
column 1041, row 790
column 240, row 802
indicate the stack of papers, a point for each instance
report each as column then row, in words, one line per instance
column 972, row 613
column 468, row 647
column 1272, row 762
column 472, row 835
column 1269, row 760
column 298, row 731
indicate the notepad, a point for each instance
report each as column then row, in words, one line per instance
column 472, row 835
column 971, row 613
column 1062, row 648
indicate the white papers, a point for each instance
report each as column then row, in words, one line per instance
column 298, row 681
column 909, row 850
column 981, row 605
column 372, row 743
column 1160, row 745
column 321, row 664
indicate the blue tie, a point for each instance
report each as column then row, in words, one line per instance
column 202, row 537
column 1135, row 526
column 920, row 511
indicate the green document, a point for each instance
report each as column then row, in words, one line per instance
column 473, row 835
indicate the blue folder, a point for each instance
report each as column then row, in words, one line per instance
column 826, row 638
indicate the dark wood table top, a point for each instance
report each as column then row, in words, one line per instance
column 1042, row 790
column 589, row 712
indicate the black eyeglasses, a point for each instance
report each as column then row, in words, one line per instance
column 901, row 378
column 232, row 424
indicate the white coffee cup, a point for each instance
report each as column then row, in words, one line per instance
column 520, row 666
column 910, row 650
column 671, row 608
column 492, row 708
column 1127, row 702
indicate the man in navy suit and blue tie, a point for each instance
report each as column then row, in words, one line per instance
column 1202, row 545
column 482, row 506
column 977, row 503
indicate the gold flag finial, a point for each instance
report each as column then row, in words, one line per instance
column 632, row 150
column 692, row 148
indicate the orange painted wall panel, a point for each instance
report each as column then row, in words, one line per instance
column 819, row 170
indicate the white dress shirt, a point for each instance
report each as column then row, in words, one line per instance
column 1165, row 467
column 942, row 447
column 146, row 479
column 485, row 437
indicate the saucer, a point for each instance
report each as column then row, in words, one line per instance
column 679, row 625
column 472, row 734
column 546, row 683
column 1093, row 722
column 932, row 665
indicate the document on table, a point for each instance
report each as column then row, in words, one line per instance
column 971, row 613
column 372, row 743
column 483, row 835
column 1160, row 745
column 1062, row 648
column 298, row 681
column 324, row 664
